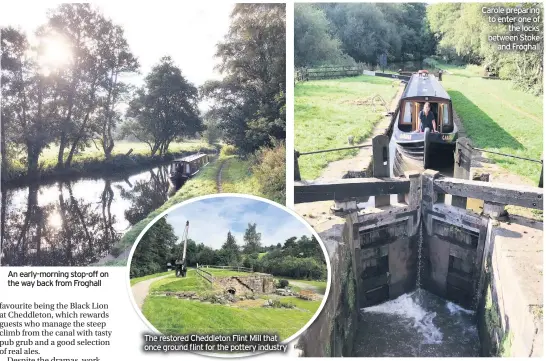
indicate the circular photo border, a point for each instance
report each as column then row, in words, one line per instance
column 226, row 195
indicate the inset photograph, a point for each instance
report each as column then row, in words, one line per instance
column 229, row 265
column 106, row 122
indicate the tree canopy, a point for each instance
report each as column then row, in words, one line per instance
column 332, row 33
column 295, row 257
column 249, row 102
column 164, row 109
column 462, row 33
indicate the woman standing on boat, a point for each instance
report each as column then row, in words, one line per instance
column 427, row 118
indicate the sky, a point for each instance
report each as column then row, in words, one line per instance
column 188, row 31
column 211, row 219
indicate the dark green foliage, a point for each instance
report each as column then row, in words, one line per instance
column 301, row 258
column 362, row 31
column 154, row 250
column 252, row 239
column 249, row 102
column 230, row 253
column 283, row 283
column 314, row 44
column 270, row 172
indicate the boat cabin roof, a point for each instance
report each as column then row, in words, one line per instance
column 421, row 86
column 190, row 158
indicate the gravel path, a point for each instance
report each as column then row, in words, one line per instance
column 141, row 289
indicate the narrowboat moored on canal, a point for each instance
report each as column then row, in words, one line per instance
column 417, row 148
column 183, row 169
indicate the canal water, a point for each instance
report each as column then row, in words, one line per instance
column 76, row 222
column 417, row 324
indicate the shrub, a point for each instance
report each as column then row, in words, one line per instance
column 270, row 171
column 228, row 149
column 283, row 283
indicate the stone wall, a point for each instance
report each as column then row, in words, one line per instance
column 510, row 315
column 255, row 283
column 332, row 333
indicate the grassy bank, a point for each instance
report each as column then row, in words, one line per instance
column 237, row 177
column 202, row 184
column 327, row 112
column 498, row 117
column 181, row 316
column 92, row 161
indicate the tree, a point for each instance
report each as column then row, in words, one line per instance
column 250, row 100
column 252, row 239
column 314, row 43
column 154, row 250
column 164, row 109
column 462, row 32
column 118, row 61
column 230, row 253
column 29, row 98
column 212, row 132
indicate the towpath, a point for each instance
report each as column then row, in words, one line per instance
column 219, row 177
column 141, row 290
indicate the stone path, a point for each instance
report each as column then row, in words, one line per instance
column 141, row 290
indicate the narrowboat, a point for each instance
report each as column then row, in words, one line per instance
column 418, row 149
column 183, row 169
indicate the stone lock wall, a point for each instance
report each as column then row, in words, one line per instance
column 332, row 333
column 256, row 283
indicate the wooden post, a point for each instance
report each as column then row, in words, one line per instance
column 380, row 148
column 461, row 170
column 297, row 176
column 541, row 170
column 413, row 197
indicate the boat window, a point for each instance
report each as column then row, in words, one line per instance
column 406, row 119
column 445, row 114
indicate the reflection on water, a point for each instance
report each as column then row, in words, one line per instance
column 75, row 223
column 417, row 324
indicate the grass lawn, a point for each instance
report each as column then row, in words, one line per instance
column 122, row 147
column 179, row 316
column 192, row 282
column 498, row 117
column 319, row 285
column 325, row 115
column 171, row 315
column 136, row 280
column 225, row 273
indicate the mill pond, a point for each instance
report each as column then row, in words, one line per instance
column 76, row 222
